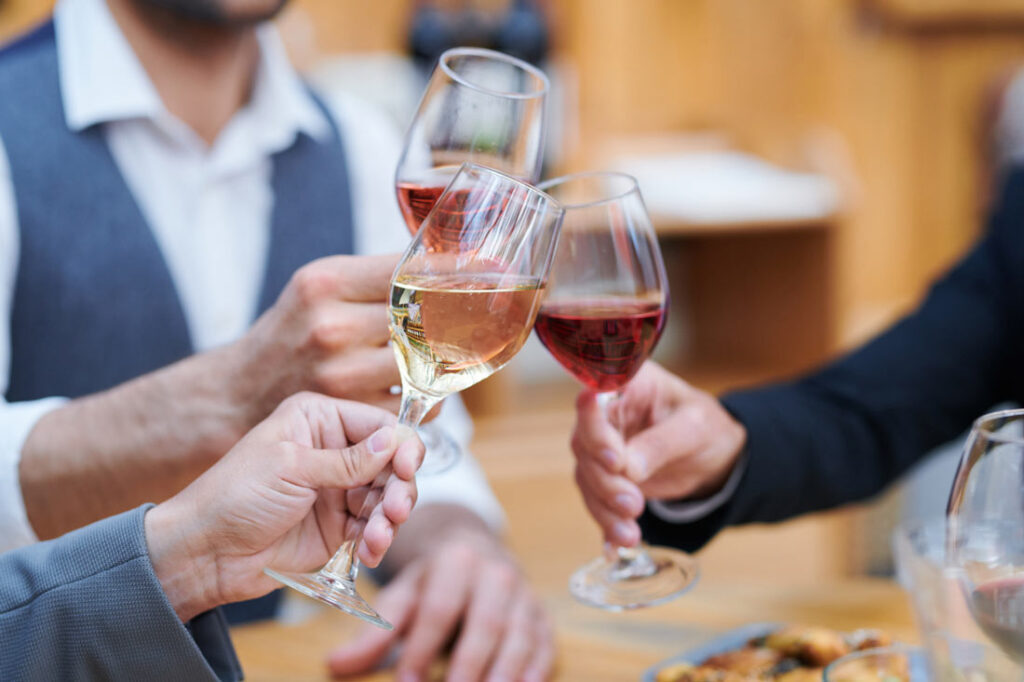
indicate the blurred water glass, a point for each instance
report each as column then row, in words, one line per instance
column 957, row 649
column 897, row 663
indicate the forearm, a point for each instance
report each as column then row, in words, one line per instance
column 142, row 440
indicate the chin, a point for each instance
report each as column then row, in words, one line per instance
column 221, row 12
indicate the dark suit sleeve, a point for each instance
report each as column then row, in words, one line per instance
column 88, row 606
column 845, row 432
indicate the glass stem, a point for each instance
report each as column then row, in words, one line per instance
column 623, row 562
column 415, row 406
column 344, row 566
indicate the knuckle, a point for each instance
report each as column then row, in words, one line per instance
column 504, row 577
column 324, row 334
column 287, row 456
column 581, row 400
column 439, row 609
column 461, row 553
column 311, row 282
column 576, row 443
column 349, row 467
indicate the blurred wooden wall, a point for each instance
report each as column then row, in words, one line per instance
column 887, row 96
column 884, row 94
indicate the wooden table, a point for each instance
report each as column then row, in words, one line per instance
column 529, row 465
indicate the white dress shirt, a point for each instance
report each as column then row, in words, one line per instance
column 210, row 210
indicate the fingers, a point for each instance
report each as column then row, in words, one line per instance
column 366, row 278
column 485, row 621
column 410, row 454
column 396, row 603
column 618, row 526
column 343, row 324
column 360, row 374
column 539, row 667
column 350, row 467
column 594, row 437
column 518, row 642
column 350, row 278
column 442, row 603
column 394, row 510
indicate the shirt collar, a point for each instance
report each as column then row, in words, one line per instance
column 102, row 80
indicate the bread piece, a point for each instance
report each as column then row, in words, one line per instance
column 750, row 661
column 815, row 647
column 684, row 672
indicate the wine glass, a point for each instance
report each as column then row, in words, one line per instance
column 483, row 107
column 463, row 300
column 604, row 312
column 985, row 534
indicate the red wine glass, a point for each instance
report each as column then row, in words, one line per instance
column 482, row 107
column 986, row 528
column 603, row 314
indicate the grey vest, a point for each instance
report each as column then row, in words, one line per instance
column 94, row 303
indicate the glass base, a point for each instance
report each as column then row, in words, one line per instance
column 442, row 451
column 634, row 578
column 341, row 594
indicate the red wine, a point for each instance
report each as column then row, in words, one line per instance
column 998, row 607
column 602, row 341
column 416, row 200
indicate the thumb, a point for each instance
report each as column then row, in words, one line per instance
column 349, row 467
column 397, row 603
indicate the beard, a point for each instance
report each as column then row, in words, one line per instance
column 217, row 12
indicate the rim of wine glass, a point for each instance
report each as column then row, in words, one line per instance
column 982, row 425
column 634, row 187
column 498, row 56
column 557, row 205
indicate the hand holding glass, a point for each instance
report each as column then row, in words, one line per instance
column 604, row 312
column 463, row 300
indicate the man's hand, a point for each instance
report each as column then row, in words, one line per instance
column 465, row 586
column 327, row 332
column 280, row 498
column 662, row 439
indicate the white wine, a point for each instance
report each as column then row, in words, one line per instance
column 451, row 331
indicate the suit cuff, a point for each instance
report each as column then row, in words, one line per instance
column 688, row 511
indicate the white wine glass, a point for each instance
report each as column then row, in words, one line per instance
column 985, row 530
column 481, row 107
column 463, row 300
column 604, row 312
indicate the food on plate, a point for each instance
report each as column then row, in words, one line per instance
column 789, row 654
column 815, row 647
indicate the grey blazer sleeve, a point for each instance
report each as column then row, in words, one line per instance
column 87, row 606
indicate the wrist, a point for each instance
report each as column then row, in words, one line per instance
column 182, row 561
column 226, row 378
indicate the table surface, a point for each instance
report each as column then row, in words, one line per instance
column 530, row 469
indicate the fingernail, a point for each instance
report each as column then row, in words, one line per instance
column 637, row 465
column 390, row 531
column 408, row 676
column 380, row 442
column 623, row 532
column 609, row 458
column 627, row 503
column 407, row 503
